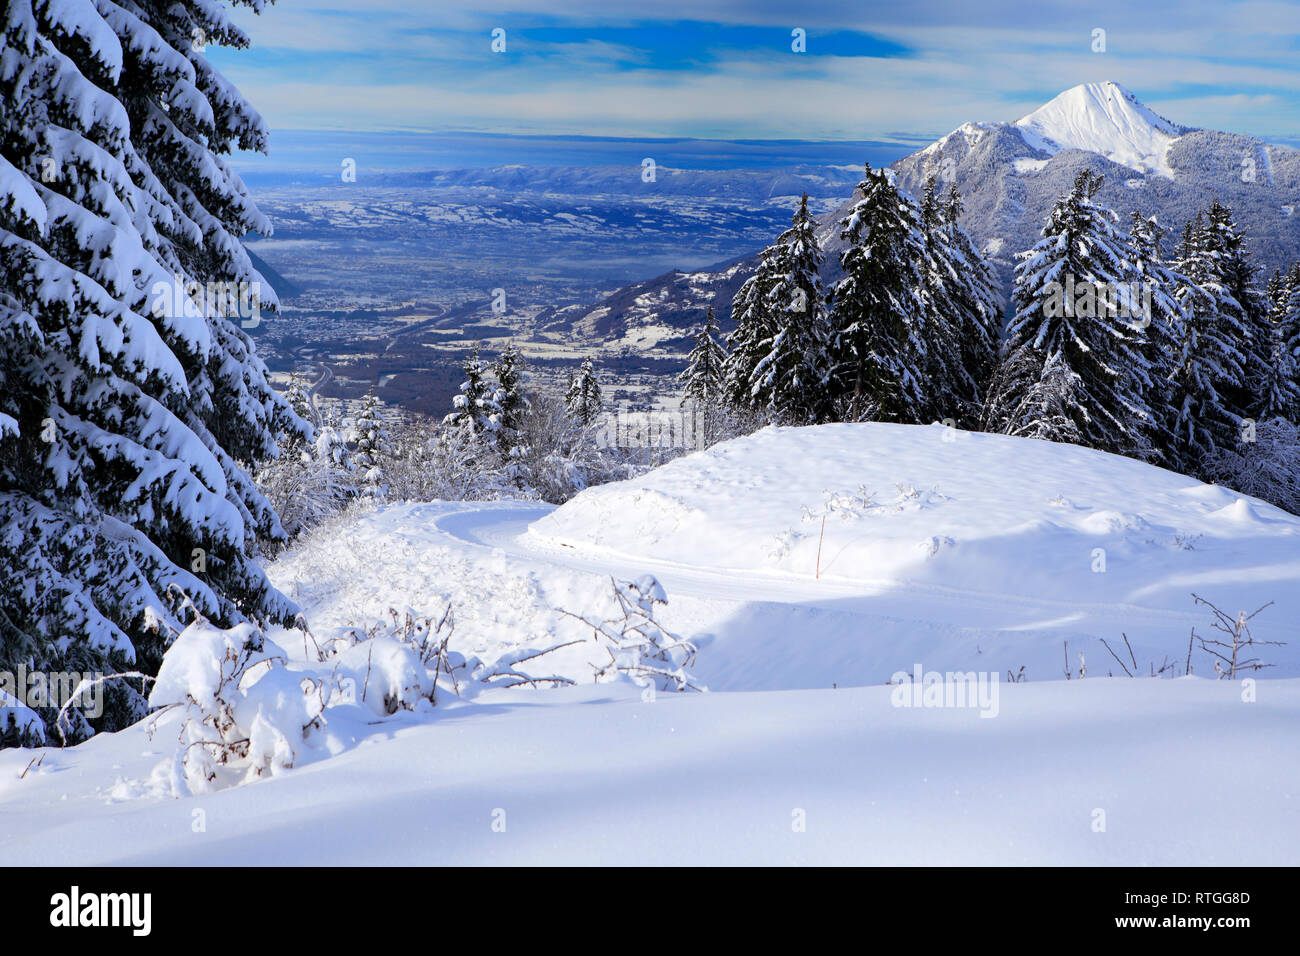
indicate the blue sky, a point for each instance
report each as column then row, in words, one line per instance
column 901, row 72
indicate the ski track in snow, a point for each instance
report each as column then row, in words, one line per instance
column 502, row 530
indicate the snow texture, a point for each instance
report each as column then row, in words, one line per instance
column 1102, row 118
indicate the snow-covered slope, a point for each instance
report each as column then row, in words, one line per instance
column 1009, row 533
column 951, row 552
column 1103, row 118
column 1175, row 772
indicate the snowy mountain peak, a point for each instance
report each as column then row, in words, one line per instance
column 1103, row 118
column 969, row 133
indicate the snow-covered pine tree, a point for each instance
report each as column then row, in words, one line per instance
column 334, row 449
column 476, row 412
column 1013, row 378
column 1289, row 331
column 980, row 302
column 511, row 395
column 514, row 406
column 1211, row 365
column 1236, row 272
column 294, row 443
column 1072, row 290
column 949, row 387
column 1275, row 296
column 1280, row 393
column 582, row 397
column 755, row 325
column 1161, row 314
column 877, row 317
column 791, row 379
column 764, row 308
column 963, row 326
column 1267, row 468
column 1042, row 408
column 373, row 447
column 300, row 402
column 128, row 396
column 704, row 379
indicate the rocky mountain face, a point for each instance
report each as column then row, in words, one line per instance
column 1009, row 174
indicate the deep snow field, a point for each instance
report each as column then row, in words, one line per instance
column 944, row 551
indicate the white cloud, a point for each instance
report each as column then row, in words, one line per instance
column 991, row 61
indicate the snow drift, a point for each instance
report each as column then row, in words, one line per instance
column 1016, row 533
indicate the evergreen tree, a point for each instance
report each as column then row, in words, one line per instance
column 1224, row 245
column 1289, row 328
column 752, row 312
column 704, row 380
column 949, row 385
column 128, row 395
column 777, row 356
column 1030, row 399
column 1211, row 365
column 476, row 411
column 1161, row 321
column 511, row 396
column 372, row 448
column 963, row 324
column 300, row 402
column 1074, row 316
column 333, row 451
column 1280, row 392
column 1275, row 297
column 582, row 397
column 790, row 381
column 878, row 350
column 295, row 442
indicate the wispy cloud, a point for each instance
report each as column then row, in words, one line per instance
column 722, row 69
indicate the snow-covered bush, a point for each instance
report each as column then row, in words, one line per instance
column 437, row 463
column 553, row 458
column 384, row 674
column 304, row 490
column 427, row 644
column 563, row 456
column 20, row 726
column 639, row 647
column 1267, row 468
column 399, row 654
column 245, row 714
column 1240, row 651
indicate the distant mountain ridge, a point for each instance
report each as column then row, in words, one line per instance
column 625, row 180
column 1009, row 175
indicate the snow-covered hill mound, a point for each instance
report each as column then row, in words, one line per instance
column 979, row 519
column 1103, row 118
column 949, row 552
